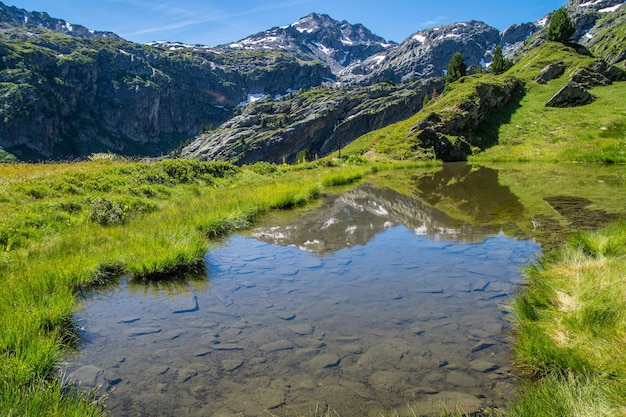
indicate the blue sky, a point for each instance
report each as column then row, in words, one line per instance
column 212, row 22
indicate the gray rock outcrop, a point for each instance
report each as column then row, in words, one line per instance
column 319, row 121
column 599, row 73
column 448, row 133
column 571, row 95
column 550, row 72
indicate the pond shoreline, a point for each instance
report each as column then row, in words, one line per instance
column 42, row 269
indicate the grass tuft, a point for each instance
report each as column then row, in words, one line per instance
column 571, row 327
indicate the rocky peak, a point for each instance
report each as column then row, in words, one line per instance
column 427, row 53
column 513, row 37
column 14, row 17
column 319, row 37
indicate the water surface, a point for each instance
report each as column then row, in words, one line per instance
column 371, row 301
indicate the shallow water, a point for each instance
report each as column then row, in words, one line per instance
column 371, row 301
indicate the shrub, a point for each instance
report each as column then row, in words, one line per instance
column 302, row 156
column 106, row 212
column 264, row 168
column 354, row 159
column 342, row 178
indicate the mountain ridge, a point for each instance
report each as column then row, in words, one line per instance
column 13, row 16
column 67, row 91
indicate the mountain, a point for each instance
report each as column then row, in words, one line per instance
column 67, row 91
column 318, row 122
column 427, row 53
column 67, row 96
column 319, row 37
column 12, row 16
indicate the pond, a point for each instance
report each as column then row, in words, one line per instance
column 389, row 297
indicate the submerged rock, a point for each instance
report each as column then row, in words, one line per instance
column 302, row 329
column 232, row 364
column 449, row 401
column 324, row 361
column 277, row 346
column 483, row 366
column 87, row 376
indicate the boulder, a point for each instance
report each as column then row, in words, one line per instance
column 550, row 72
column 429, row 121
column 611, row 72
column 599, row 73
column 571, row 95
column 444, row 148
column 588, row 79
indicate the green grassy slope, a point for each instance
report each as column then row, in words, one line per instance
column 524, row 129
column 591, row 133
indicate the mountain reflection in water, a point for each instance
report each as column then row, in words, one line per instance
column 358, row 215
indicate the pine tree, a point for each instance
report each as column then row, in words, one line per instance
column 561, row 26
column 456, row 68
column 498, row 66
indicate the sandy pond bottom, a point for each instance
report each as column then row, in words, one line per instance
column 404, row 319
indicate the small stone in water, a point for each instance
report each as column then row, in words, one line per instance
column 277, row 346
column 483, row 366
column 324, row 361
column 287, row 316
column 231, row 365
column 129, row 320
column 482, row 345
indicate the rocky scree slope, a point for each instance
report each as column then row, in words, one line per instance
column 318, row 122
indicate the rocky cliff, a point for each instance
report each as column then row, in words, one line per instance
column 319, row 121
column 63, row 96
column 449, row 133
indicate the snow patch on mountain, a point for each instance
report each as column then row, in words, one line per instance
column 591, row 3
column 252, row 98
column 610, row 9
